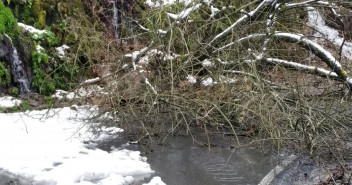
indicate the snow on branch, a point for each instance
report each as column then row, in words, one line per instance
column 185, row 13
column 241, row 40
column 318, row 50
column 310, row 69
column 253, row 13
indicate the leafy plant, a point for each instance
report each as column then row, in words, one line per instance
column 7, row 20
column 5, row 78
column 41, row 81
column 48, row 37
column 14, row 91
column 49, row 101
column 25, row 105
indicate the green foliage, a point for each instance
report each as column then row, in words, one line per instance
column 14, row 91
column 29, row 3
column 26, row 15
column 49, row 101
column 41, row 81
column 11, row 109
column 5, row 78
column 7, row 20
column 25, row 105
column 48, row 38
column 63, row 25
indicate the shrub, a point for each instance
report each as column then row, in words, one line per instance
column 7, row 20
column 5, row 78
column 41, row 81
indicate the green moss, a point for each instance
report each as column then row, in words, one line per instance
column 5, row 78
column 37, row 8
column 344, row 74
column 41, row 24
column 7, row 20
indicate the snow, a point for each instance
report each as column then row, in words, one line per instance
column 61, row 50
column 299, row 38
column 134, row 56
column 191, row 79
column 152, row 4
column 208, row 81
column 31, row 29
column 155, row 181
column 207, row 63
column 227, row 80
column 302, row 66
column 47, row 147
column 39, row 48
column 327, row 54
column 150, row 85
column 9, row 101
column 162, row 32
column 240, row 20
column 214, row 11
column 59, row 94
column 155, row 53
column 81, row 92
column 316, row 21
column 93, row 80
column 183, row 14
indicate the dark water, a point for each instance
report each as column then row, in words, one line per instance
column 181, row 161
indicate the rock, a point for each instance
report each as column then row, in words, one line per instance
column 34, row 103
column 4, row 50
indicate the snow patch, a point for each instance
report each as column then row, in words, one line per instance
column 208, row 82
column 207, row 63
column 191, row 79
column 31, row 29
column 157, row 3
column 214, row 11
column 156, row 181
column 9, row 101
column 39, row 49
column 79, row 93
column 318, row 23
column 183, row 14
column 61, row 50
column 48, row 148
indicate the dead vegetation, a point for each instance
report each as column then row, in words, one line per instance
column 233, row 68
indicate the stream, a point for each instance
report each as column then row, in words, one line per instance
column 184, row 159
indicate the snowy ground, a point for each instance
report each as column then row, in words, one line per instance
column 47, row 147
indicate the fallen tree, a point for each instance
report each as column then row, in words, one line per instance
column 254, row 65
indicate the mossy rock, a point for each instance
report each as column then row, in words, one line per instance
column 41, row 24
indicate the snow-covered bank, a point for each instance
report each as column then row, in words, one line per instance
column 8, row 102
column 47, row 147
column 324, row 31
